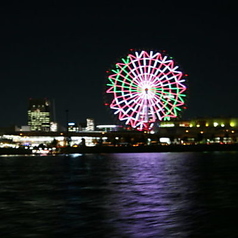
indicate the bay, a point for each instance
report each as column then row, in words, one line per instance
column 185, row 194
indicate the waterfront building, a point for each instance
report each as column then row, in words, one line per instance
column 183, row 132
column 39, row 114
column 108, row 128
column 74, row 127
column 53, row 126
column 90, row 124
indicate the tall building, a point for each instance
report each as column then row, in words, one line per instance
column 39, row 114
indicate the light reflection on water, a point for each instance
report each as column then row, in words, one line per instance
column 119, row 195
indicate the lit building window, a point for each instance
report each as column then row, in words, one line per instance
column 39, row 115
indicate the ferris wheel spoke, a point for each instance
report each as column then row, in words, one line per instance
column 124, row 80
column 146, row 86
column 135, row 76
column 137, row 67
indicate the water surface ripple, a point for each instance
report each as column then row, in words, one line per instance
column 120, row 195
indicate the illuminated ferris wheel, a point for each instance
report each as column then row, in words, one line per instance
column 146, row 87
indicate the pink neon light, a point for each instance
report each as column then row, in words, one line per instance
column 147, row 88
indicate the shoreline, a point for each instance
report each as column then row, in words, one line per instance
column 128, row 149
column 151, row 148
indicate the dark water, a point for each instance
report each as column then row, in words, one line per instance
column 120, row 195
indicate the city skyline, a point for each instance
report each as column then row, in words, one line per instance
column 63, row 53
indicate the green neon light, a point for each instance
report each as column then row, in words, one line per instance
column 126, row 61
column 116, row 71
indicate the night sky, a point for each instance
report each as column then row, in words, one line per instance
column 62, row 52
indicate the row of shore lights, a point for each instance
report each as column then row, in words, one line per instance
column 203, row 131
column 214, row 124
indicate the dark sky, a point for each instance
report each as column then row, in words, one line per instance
column 61, row 51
